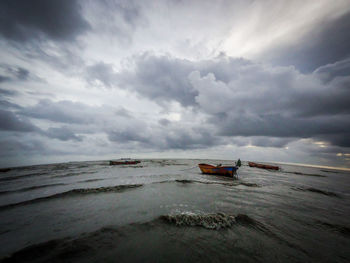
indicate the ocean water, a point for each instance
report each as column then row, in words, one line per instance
column 167, row 211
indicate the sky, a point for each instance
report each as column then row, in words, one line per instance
column 257, row 80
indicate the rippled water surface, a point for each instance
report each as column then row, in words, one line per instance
column 167, row 211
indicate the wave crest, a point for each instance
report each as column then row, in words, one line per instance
column 236, row 183
column 209, row 221
column 315, row 190
column 116, row 188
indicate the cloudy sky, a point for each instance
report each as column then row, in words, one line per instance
column 256, row 80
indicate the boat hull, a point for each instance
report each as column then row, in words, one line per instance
column 263, row 166
column 218, row 170
column 123, row 162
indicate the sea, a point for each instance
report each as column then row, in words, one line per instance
column 166, row 210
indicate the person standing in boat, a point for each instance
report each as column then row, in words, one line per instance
column 238, row 163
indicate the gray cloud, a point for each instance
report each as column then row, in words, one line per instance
column 195, row 138
column 328, row 43
column 28, row 20
column 14, row 149
column 126, row 135
column 6, row 92
column 16, row 122
column 163, row 78
column 9, row 121
column 330, row 129
column 11, row 147
column 330, row 71
column 101, row 72
column 124, row 113
column 270, row 141
column 160, row 138
column 115, row 18
column 11, row 73
column 4, row 78
column 20, row 73
column 128, row 10
column 249, row 99
column 160, row 79
column 63, row 111
column 164, row 122
column 63, row 134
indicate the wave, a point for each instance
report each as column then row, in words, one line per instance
column 67, row 248
column 74, row 174
column 185, row 181
column 209, row 221
column 116, row 188
column 315, row 190
column 10, row 178
column 166, row 162
column 25, row 189
column 128, row 166
column 344, row 230
column 93, row 180
column 298, row 173
column 157, row 235
column 328, row 171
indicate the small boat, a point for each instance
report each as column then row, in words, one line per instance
column 123, row 162
column 263, row 166
column 218, row 170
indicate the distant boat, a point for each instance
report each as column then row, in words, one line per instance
column 263, row 166
column 218, row 170
column 123, row 162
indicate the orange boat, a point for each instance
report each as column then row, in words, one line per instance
column 263, row 166
column 218, row 170
column 123, row 162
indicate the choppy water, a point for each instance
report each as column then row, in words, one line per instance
column 167, row 211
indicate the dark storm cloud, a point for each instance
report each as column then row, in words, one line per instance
column 13, row 147
column 129, row 134
column 330, row 71
column 7, row 92
column 9, row 121
column 20, row 73
column 18, row 147
column 158, row 78
column 157, row 138
column 242, row 98
column 161, row 79
column 164, row 122
column 80, row 116
column 15, row 73
column 328, row 43
column 4, row 78
column 190, row 139
column 63, row 111
column 164, row 78
column 339, row 139
column 16, row 122
column 326, row 128
column 270, row 142
column 63, row 134
column 28, row 20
